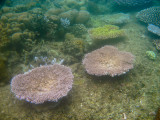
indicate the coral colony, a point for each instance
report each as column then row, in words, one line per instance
column 151, row 55
column 106, row 32
column 154, row 29
column 150, row 15
column 41, row 84
column 65, row 22
column 108, row 61
column 41, row 61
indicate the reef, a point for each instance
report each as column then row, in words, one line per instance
column 89, row 37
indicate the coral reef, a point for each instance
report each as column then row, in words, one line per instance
column 53, row 11
column 35, row 37
column 82, row 17
column 106, row 32
column 150, row 15
column 3, row 68
column 45, row 83
column 65, row 22
column 70, row 15
column 151, row 55
column 4, row 33
column 43, row 24
column 15, row 31
column 42, row 61
column 132, row 2
column 74, row 46
column 77, row 17
column 79, row 30
column 157, row 44
column 108, row 61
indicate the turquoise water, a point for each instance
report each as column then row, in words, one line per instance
column 121, row 82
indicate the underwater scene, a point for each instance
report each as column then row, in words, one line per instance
column 79, row 59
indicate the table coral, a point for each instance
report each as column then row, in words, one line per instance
column 41, row 84
column 108, row 60
column 150, row 15
column 106, row 32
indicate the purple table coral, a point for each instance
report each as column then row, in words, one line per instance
column 41, row 84
column 108, row 60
